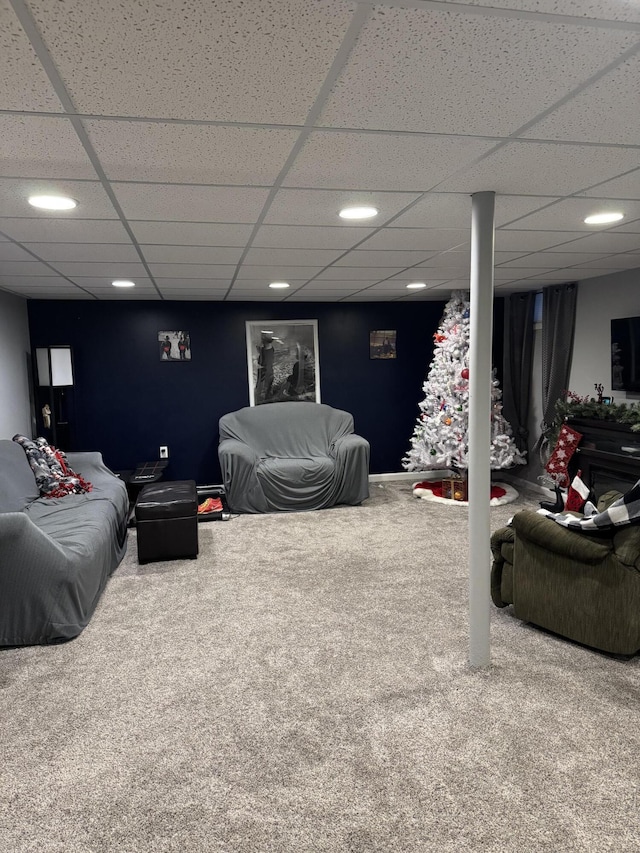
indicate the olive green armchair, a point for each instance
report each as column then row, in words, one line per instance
column 582, row 586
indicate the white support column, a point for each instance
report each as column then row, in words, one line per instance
column 481, row 335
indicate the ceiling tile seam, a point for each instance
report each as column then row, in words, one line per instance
column 586, row 84
column 328, row 129
column 487, row 11
column 340, row 60
column 40, row 260
column 513, row 136
column 37, row 42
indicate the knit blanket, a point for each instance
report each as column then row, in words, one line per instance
column 623, row 511
column 54, row 477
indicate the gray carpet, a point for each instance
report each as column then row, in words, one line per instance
column 303, row 686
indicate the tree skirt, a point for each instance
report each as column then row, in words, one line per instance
column 431, row 490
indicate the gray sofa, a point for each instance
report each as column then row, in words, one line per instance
column 56, row 554
column 292, row 456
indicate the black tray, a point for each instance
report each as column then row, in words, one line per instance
column 205, row 492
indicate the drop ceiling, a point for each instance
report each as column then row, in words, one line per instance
column 211, row 143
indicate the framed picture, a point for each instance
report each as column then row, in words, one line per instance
column 174, row 346
column 382, row 343
column 282, row 361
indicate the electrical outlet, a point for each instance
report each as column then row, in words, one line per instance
column 164, row 452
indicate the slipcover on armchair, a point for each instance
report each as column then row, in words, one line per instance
column 584, row 587
column 283, row 457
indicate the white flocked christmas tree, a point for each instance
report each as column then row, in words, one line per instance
column 440, row 437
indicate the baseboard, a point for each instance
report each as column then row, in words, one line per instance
column 416, row 476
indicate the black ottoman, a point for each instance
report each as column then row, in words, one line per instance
column 167, row 521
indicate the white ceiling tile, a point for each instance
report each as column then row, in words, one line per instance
column 548, row 260
column 309, row 236
column 93, row 202
column 11, row 252
column 599, row 113
column 608, row 241
column 202, row 295
column 506, row 274
column 453, row 210
column 419, row 239
column 63, row 292
column 210, row 271
column 276, row 273
column 381, row 259
column 570, row 213
column 605, row 10
column 114, row 295
column 632, row 227
column 625, row 187
column 383, row 161
column 51, row 230
column 23, row 82
column 191, row 154
column 90, row 252
column 292, row 257
column 34, row 281
column 220, row 59
column 321, row 207
column 398, row 286
column 24, row 268
column 37, row 147
column 551, row 167
column 190, row 233
column 579, row 273
column 367, row 273
column 115, row 269
column 428, row 276
column 103, row 282
column 195, row 204
column 256, row 284
column 430, row 78
column 191, row 254
column 533, row 241
column 315, row 296
column 624, row 261
column 271, row 296
column 339, row 286
column 192, row 283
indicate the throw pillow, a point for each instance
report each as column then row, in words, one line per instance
column 54, row 478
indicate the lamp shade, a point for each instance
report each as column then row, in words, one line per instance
column 54, row 366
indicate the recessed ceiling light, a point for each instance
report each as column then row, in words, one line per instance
column 358, row 212
column 279, row 285
column 603, row 218
column 52, row 202
column 122, row 282
column 416, row 285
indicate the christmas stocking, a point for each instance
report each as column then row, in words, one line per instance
column 556, row 467
column 578, row 494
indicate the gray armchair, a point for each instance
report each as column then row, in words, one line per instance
column 292, row 456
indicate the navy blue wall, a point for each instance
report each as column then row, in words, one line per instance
column 126, row 402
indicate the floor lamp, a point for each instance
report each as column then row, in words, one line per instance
column 55, row 370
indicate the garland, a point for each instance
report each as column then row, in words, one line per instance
column 570, row 405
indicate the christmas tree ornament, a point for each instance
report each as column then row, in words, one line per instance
column 441, row 441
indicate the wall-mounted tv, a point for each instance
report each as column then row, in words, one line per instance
column 625, row 354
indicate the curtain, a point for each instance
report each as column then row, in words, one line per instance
column 518, row 364
column 558, row 326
